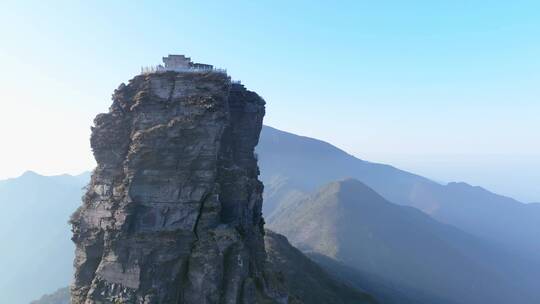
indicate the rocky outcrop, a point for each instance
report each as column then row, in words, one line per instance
column 173, row 210
column 305, row 280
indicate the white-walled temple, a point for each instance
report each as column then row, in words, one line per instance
column 180, row 63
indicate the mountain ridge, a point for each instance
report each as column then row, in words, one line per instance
column 39, row 248
column 293, row 166
column 349, row 222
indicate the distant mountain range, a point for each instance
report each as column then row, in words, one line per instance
column 61, row 296
column 377, row 247
column 293, row 166
column 400, row 246
column 37, row 255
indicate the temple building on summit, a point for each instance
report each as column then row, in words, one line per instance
column 180, row 63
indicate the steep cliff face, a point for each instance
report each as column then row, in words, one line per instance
column 173, row 210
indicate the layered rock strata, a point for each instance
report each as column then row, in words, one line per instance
column 173, row 210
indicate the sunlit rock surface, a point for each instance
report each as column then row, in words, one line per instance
column 173, row 210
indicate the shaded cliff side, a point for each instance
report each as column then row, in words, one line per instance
column 305, row 279
column 173, row 210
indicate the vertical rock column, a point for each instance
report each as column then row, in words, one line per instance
column 173, row 210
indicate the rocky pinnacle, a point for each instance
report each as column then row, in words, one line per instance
column 173, row 210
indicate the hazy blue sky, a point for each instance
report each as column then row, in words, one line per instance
column 448, row 89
